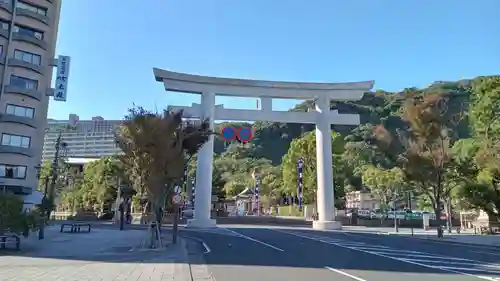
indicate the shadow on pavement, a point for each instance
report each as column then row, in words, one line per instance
column 273, row 253
column 105, row 243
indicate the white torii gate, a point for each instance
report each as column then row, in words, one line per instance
column 323, row 117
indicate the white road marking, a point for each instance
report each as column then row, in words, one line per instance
column 419, row 255
column 455, row 262
column 255, row 240
column 406, row 260
column 385, row 249
column 487, row 253
column 345, row 274
column 207, row 249
column 469, row 269
column 352, row 244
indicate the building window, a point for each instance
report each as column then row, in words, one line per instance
column 12, row 171
column 15, row 140
column 22, row 82
column 28, row 31
column 27, row 57
column 4, row 25
column 30, row 7
column 22, row 111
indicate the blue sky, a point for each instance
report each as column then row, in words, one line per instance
column 397, row 43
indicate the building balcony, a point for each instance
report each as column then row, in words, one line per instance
column 20, row 63
column 33, row 15
column 16, row 150
column 35, row 94
column 9, row 118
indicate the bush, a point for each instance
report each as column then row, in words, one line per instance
column 14, row 219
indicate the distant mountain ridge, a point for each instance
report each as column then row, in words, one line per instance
column 380, row 107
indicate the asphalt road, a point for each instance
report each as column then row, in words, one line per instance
column 246, row 253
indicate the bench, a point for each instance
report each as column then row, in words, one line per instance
column 5, row 239
column 75, row 227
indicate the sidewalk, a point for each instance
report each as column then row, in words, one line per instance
column 480, row 240
column 102, row 254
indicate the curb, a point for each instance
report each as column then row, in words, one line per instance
column 182, row 270
column 435, row 239
column 198, row 269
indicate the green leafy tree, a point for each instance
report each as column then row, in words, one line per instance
column 427, row 142
column 45, row 172
column 305, row 148
column 485, row 108
column 14, row 219
column 386, row 185
column 157, row 147
column 481, row 154
column 237, row 183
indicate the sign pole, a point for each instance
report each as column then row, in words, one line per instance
column 300, row 164
column 176, row 199
column 256, row 176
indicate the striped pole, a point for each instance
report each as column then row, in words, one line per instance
column 185, row 184
column 193, row 188
column 300, row 164
column 257, row 193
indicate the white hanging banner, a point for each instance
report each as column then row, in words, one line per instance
column 61, row 89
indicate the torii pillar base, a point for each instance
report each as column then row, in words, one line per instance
column 327, row 225
column 201, row 223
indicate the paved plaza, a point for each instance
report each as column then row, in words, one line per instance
column 103, row 254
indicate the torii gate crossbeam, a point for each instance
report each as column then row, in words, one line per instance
column 323, row 117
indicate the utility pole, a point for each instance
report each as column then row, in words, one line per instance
column 410, row 211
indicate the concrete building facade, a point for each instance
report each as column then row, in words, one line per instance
column 361, row 200
column 28, row 34
column 93, row 138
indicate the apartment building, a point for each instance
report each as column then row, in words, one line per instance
column 28, row 33
column 93, row 138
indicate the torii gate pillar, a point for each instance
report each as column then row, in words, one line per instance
column 323, row 117
column 325, row 193
column 204, row 170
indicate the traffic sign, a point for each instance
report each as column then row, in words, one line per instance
column 177, row 189
column 245, row 134
column 176, row 199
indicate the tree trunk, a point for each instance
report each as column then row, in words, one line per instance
column 122, row 216
column 448, row 215
column 176, row 223
column 155, row 224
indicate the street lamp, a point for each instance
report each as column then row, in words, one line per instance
column 41, row 232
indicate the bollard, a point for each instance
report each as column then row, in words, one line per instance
column 440, row 232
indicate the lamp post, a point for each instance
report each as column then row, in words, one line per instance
column 41, row 232
column 394, row 198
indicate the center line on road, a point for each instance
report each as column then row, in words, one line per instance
column 254, row 240
column 345, row 273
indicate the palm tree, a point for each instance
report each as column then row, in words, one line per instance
column 156, row 149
